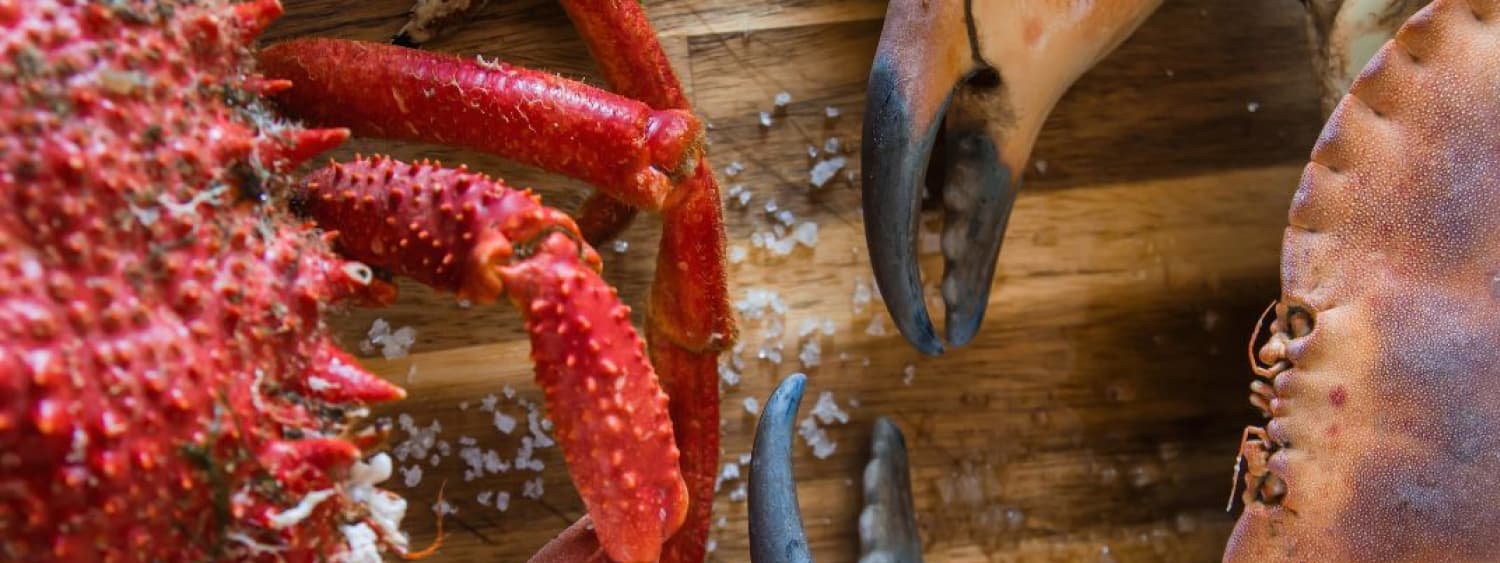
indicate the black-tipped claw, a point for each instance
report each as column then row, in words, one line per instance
column 888, row 523
column 776, row 534
column 990, row 73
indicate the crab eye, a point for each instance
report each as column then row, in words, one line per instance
column 1299, row 322
column 359, row 272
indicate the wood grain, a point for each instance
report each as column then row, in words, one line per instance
column 1096, row 415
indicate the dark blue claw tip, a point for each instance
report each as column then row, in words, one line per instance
column 776, row 534
column 897, row 142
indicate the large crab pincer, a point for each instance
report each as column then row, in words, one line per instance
column 983, row 76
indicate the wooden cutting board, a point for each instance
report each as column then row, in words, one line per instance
column 1096, row 416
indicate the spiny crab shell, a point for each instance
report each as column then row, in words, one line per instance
column 167, row 387
column 1384, row 358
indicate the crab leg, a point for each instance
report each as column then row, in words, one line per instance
column 690, row 320
column 620, row 145
column 467, row 233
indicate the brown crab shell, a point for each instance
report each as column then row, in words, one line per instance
column 1389, row 419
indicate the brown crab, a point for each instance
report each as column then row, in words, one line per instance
column 1382, row 370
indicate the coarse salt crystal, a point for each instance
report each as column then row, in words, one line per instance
column 502, row 501
column 908, row 374
column 811, row 354
column 483, row 498
column 620, row 246
column 807, row 234
column 827, row 410
column 488, row 402
column 831, row 113
column 737, row 254
column 781, row 101
column 876, row 327
column 824, row 171
column 752, row 406
column 411, row 475
column 504, row 422
column 532, row 489
column 832, row 146
column 738, row 494
column 734, row 169
column 765, row 120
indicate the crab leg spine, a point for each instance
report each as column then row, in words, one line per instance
column 617, row 144
column 468, row 233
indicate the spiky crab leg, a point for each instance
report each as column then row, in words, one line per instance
column 690, row 318
column 620, row 145
column 415, row 95
column 467, row 233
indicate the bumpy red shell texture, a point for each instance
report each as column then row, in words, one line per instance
column 167, row 387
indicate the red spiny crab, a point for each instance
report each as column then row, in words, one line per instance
column 167, row 386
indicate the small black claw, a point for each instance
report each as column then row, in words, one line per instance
column 888, row 524
column 776, row 534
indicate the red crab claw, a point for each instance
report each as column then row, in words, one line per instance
column 988, row 73
column 468, row 233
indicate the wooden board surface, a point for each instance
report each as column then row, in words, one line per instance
column 1097, row 414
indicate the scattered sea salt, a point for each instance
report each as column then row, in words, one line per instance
column 1252, row 107
column 781, row 101
column 392, row 344
column 504, row 422
column 534, row 423
column 502, row 501
column 620, row 246
column 532, row 489
column 832, row 146
column 728, row 375
column 734, row 169
column 737, row 254
column 816, row 438
column 483, row 498
column 811, row 354
column 876, row 327
column 806, row 233
column 738, row 494
column 752, row 406
column 824, row 171
column 411, row 475
column 488, row 402
column 1041, row 167
column 442, row 507
column 908, row 374
column 765, row 120
column 831, row 113
column 812, row 153
column 711, row 545
column 827, row 410
column 508, row 391
column 745, row 459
